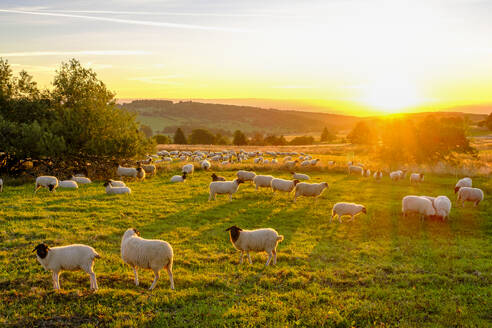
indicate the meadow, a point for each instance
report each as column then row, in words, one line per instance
column 379, row 270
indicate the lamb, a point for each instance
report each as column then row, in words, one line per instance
column 299, row 176
column 397, row 175
column 259, row 240
column 283, row 185
column 179, row 178
column 351, row 209
column 416, row 177
column 149, row 169
column 469, row 194
column 378, row 175
column 246, row 175
column 442, row 204
column 126, row 172
column 355, row 170
column 110, row 190
column 1, row 185
column 140, row 173
column 147, row 254
column 205, row 164
column 46, row 181
column 417, row 204
column 71, row 257
column 309, row 189
column 465, row 182
column 81, row 180
column 69, row 184
column 115, row 183
column 263, row 181
column 216, row 177
column 188, row 169
column 224, row 187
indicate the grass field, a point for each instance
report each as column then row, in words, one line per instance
column 379, row 270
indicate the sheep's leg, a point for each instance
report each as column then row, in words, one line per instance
column 241, row 255
column 339, row 218
column 274, row 256
column 56, row 280
column 295, row 196
column 135, row 273
column 230, row 197
column 36, row 188
column 93, row 280
column 156, row 273
column 269, row 258
column 169, row 269
column 332, row 216
column 249, row 259
column 351, row 218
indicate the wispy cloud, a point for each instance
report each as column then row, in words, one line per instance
column 76, row 53
column 122, row 21
column 161, row 79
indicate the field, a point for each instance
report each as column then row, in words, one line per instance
column 379, row 270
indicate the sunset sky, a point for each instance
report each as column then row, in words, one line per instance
column 358, row 56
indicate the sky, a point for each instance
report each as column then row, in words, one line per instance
column 352, row 56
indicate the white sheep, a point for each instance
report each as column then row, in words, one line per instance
column 309, row 189
column 205, row 164
column 68, row 184
column 442, row 204
column 179, row 178
column 313, row 162
column 116, row 183
column 140, row 173
column 67, row 258
column 283, row 185
column 351, row 209
column 49, row 182
column 398, row 175
column 355, row 170
column 81, row 180
column 264, row 181
column 299, row 176
column 416, row 177
column 110, row 190
column 378, row 175
column 303, row 163
column 147, row 254
column 188, row 169
column 224, row 187
column 150, row 169
column 259, row 240
column 246, row 175
column 465, row 182
column 130, row 172
column 367, row 173
column 468, row 194
column 417, row 204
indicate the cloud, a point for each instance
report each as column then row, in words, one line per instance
column 122, row 21
column 292, row 87
column 76, row 53
column 161, row 79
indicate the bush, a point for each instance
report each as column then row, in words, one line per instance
column 162, row 139
column 304, row 140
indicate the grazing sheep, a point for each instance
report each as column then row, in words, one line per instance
column 367, row 173
column 216, row 177
column 378, row 175
column 1, row 185
column 246, row 175
column 417, row 204
column 283, row 185
column 179, row 178
column 299, row 176
column 398, row 175
column 309, row 189
column 292, row 163
column 67, row 258
column 46, row 181
column 81, row 180
column 351, row 209
column 259, row 240
column 303, row 163
column 355, row 170
column 224, row 187
column 147, row 254
column 110, row 190
column 188, row 169
column 264, row 181
column 115, row 183
column 258, row 160
column 140, row 173
column 465, row 182
column 442, row 204
column 150, row 169
column 331, row 163
column 274, row 161
column 313, row 162
column 68, row 184
column 468, row 194
column 432, row 199
column 416, row 177
column 130, row 172
column 205, row 165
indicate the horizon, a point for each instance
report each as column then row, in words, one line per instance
column 342, row 57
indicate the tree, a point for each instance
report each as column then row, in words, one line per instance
column 239, row 138
column 275, row 141
column 303, row 140
column 327, row 136
column 487, row 122
column 147, row 130
column 257, row 139
column 179, row 137
column 361, row 134
column 202, row 137
column 220, row 139
column 162, row 139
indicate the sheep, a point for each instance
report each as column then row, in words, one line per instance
column 331, row 163
column 469, row 194
column 299, row 176
column 309, row 189
column 115, row 183
column 63, row 258
column 465, row 182
column 367, row 173
column 355, row 169
column 274, row 161
column 140, row 173
column 147, row 254
column 224, row 187
column 378, row 175
column 398, row 175
column 205, row 164
column 442, row 204
column 179, row 178
column 313, row 162
column 246, row 175
column 416, row 177
column 259, row 240
column 303, row 163
column 81, row 180
column 130, row 172
column 149, row 169
column 216, row 177
column 263, row 181
column 258, row 160
column 351, row 209
column 110, row 190
column 417, row 204
column 286, row 159
column 283, row 185
column 432, row 199
column 188, row 169
column 46, row 181
column 69, row 184
column 1, row 185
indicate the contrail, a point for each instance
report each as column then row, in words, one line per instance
column 76, row 53
column 123, row 21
